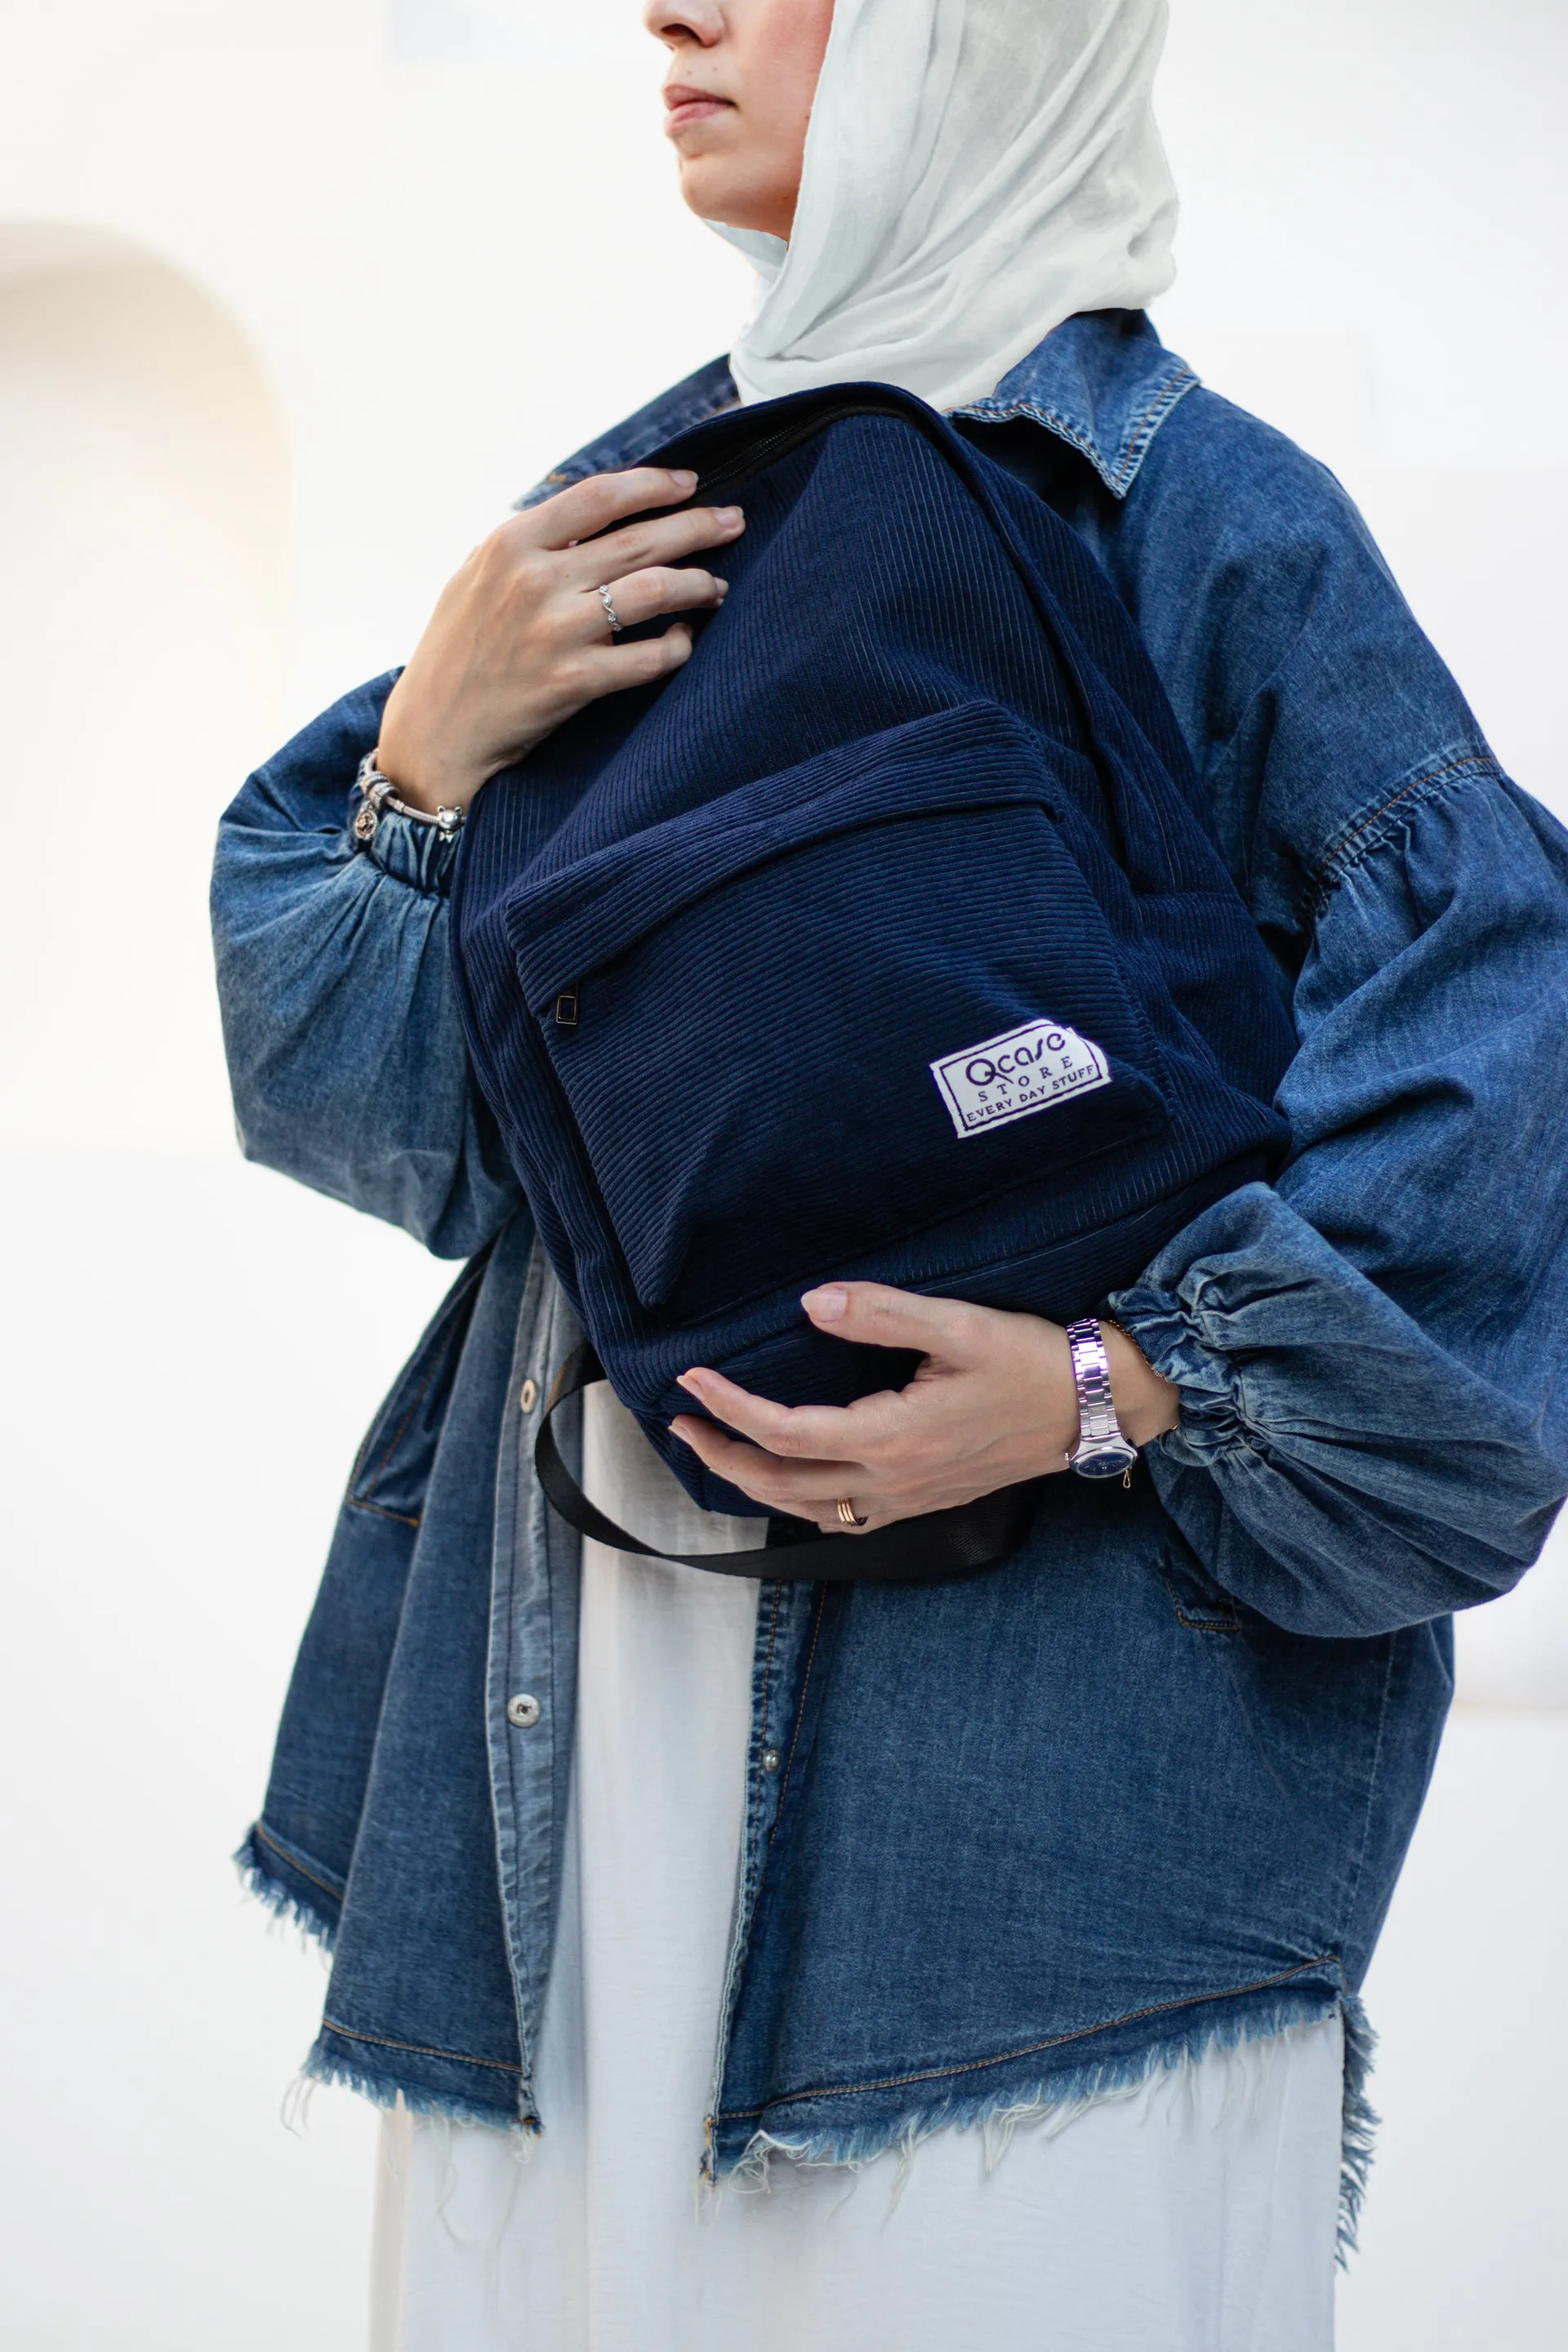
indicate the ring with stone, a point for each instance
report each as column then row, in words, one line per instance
column 616, row 623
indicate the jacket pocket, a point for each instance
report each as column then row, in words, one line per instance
column 1196, row 1599
column 833, row 1007
column 391, row 1469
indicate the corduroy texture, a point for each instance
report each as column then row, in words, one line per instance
column 917, row 788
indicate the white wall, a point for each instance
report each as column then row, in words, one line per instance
column 292, row 300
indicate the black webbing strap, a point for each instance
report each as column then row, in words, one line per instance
column 938, row 1549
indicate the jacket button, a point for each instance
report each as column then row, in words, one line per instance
column 529, row 1396
column 523, row 1711
column 771, row 1759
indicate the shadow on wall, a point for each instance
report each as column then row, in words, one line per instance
column 144, row 477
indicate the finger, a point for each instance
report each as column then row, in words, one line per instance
column 610, row 668
column 657, row 538
column 815, row 1432
column 591, row 506
column 873, row 1315
column 645, row 595
column 799, row 1487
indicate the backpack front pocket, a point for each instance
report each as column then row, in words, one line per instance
column 836, row 1007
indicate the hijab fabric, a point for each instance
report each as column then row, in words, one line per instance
column 975, row 171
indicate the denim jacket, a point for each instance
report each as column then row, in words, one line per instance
column 1147, row 1788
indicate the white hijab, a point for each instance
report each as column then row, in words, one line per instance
column 975, row 171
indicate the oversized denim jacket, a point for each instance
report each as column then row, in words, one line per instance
column 1020, row 1840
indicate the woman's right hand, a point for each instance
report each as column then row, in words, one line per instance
column 520, row 640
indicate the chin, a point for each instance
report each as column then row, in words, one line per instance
column 714, row 193
column 707, row 186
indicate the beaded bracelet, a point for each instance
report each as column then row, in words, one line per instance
column 379, row 798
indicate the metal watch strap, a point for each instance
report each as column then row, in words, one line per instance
column 1091, row 1378
column 1099, row 1432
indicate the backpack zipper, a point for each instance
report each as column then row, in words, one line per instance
column 790, row 436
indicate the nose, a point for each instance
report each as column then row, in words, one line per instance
column 676, row 23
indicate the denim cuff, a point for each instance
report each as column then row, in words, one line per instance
column 420, row 855
column 1212, row 1422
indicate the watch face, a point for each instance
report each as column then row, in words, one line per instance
column 1108, row 1465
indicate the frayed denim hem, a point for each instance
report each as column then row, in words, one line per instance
column 1056, row 2103
column 287, row 1898
column 1358, row 2135
column 385, row 2091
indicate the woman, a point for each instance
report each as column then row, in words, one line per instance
column 1040, row 1899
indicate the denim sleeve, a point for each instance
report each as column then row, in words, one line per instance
column 1372, row 1430
column 345, row 1044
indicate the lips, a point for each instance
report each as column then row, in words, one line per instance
column 684, row 106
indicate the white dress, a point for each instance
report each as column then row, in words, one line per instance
column 1197, row 2214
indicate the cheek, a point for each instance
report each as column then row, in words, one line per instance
column 750, row 176
column 800, row 28
column 782, row 43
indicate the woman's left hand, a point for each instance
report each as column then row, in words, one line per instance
column 993, row 1402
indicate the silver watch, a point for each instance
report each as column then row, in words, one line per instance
column 1101, row 1451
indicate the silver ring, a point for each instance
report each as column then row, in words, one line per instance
column 848, row 1514
column 616, row 623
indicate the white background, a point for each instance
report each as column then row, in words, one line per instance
column 292, row 300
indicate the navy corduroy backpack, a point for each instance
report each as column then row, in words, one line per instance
column 886, row 939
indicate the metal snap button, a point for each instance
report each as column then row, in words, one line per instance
column 528, row 1397
column 771, row 1759
column 523, row 1711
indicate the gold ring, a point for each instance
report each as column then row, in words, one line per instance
column 848, row 1514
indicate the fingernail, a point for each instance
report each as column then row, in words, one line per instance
column 684, row 478
column 689, row 1380
column 729, row 516
column 828, row 1305
column 722, row 586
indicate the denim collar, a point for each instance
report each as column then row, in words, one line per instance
column 1103, row 382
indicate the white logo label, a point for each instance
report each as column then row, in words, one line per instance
column 1022, row 1071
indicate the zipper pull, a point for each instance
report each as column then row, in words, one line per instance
column 566, row 1006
